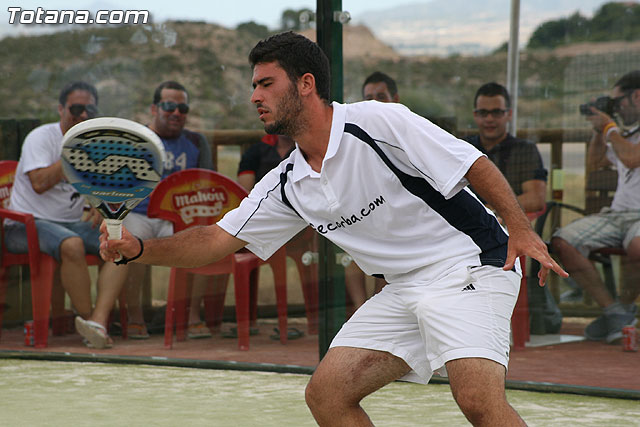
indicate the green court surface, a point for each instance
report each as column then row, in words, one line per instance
column 46, row 393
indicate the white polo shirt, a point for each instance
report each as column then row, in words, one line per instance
column 391, row 193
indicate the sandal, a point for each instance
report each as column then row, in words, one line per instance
column 94, row 333
column 233, row 332
column 137, row 331
column 292, row 334
column 198, row 330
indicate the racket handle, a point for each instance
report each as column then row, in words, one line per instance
column 114, row 229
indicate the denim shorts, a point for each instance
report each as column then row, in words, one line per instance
column 51, row 234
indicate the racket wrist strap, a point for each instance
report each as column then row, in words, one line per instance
column 126, row 260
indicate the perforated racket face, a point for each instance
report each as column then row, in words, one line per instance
column 112, row 159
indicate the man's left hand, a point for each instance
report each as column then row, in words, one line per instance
column 527, row 242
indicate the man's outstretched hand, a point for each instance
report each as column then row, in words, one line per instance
column 527, row 242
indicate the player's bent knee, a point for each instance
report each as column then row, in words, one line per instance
column 321, row 391
column 479, row 405
column 310, row 394
column 470, row 400
column 315, row 395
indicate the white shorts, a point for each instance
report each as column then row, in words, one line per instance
column 147, row 228
column 464, row 314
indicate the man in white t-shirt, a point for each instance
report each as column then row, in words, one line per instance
column 389, row 187
column 617, row 226
column 41, row 190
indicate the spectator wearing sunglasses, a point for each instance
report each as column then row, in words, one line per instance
column 41, row 190
column 518, row 159
column 184, row 149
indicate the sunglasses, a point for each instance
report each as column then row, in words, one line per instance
column 77, row 109
column 170, row 107
column 496, row 112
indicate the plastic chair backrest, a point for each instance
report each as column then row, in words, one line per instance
column 7, row 176
column 194, row 197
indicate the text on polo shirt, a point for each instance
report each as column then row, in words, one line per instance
column 351, row 220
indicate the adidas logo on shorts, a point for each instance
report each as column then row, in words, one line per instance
column 469, row 287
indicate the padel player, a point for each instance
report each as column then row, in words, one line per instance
column 389, row 187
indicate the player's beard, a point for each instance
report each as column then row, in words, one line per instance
column 289, row 110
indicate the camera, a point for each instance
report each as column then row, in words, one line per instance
column 603, row 103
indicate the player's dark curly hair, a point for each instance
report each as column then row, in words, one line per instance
column 297, row 55
column 70, row 87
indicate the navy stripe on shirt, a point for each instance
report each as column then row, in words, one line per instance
column 462, row 211
column 283, row 182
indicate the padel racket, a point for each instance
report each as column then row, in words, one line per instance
column 114, row 163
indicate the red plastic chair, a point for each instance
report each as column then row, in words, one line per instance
column 45, row 298
column 201, row 197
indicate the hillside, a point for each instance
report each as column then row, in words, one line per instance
column 359, row 43
column 127, row 63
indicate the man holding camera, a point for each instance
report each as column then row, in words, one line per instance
column 618, row 225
